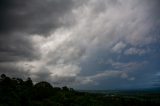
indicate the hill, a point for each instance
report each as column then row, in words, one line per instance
column 17, row 92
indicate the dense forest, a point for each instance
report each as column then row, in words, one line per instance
column 17, row 92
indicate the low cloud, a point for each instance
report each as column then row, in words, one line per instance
column 94, row 79
column 119, row 47
column 135, row 51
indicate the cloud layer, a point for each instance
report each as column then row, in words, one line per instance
column 80, row 43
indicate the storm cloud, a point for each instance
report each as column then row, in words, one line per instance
column 31, row 16
column 81, row 43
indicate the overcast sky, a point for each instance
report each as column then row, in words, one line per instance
column 85, row 44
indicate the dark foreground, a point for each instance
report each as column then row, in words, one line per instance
column 16, row 92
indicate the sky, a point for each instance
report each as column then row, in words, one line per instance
column 84, row 44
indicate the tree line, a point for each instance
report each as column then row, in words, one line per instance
column 18, row 92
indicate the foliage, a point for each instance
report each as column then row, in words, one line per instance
column 16, row 92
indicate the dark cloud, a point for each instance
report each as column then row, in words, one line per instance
column 12, row 70
column 32, row 16
column 70, row 41
column 16, row 48
column 20, row 19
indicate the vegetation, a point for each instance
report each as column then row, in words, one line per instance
column 16, row 92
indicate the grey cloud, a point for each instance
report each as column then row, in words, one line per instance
column 119, row 47
column 66, row 53
column 20, row 21
column 31, row 16
column 55, row 37
column 130, row 66
column 17, row 48
column 42, row 75
column 94, row 79
column 14, row 70
column 135, row 51
column 125, row 66
column 55, row 80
